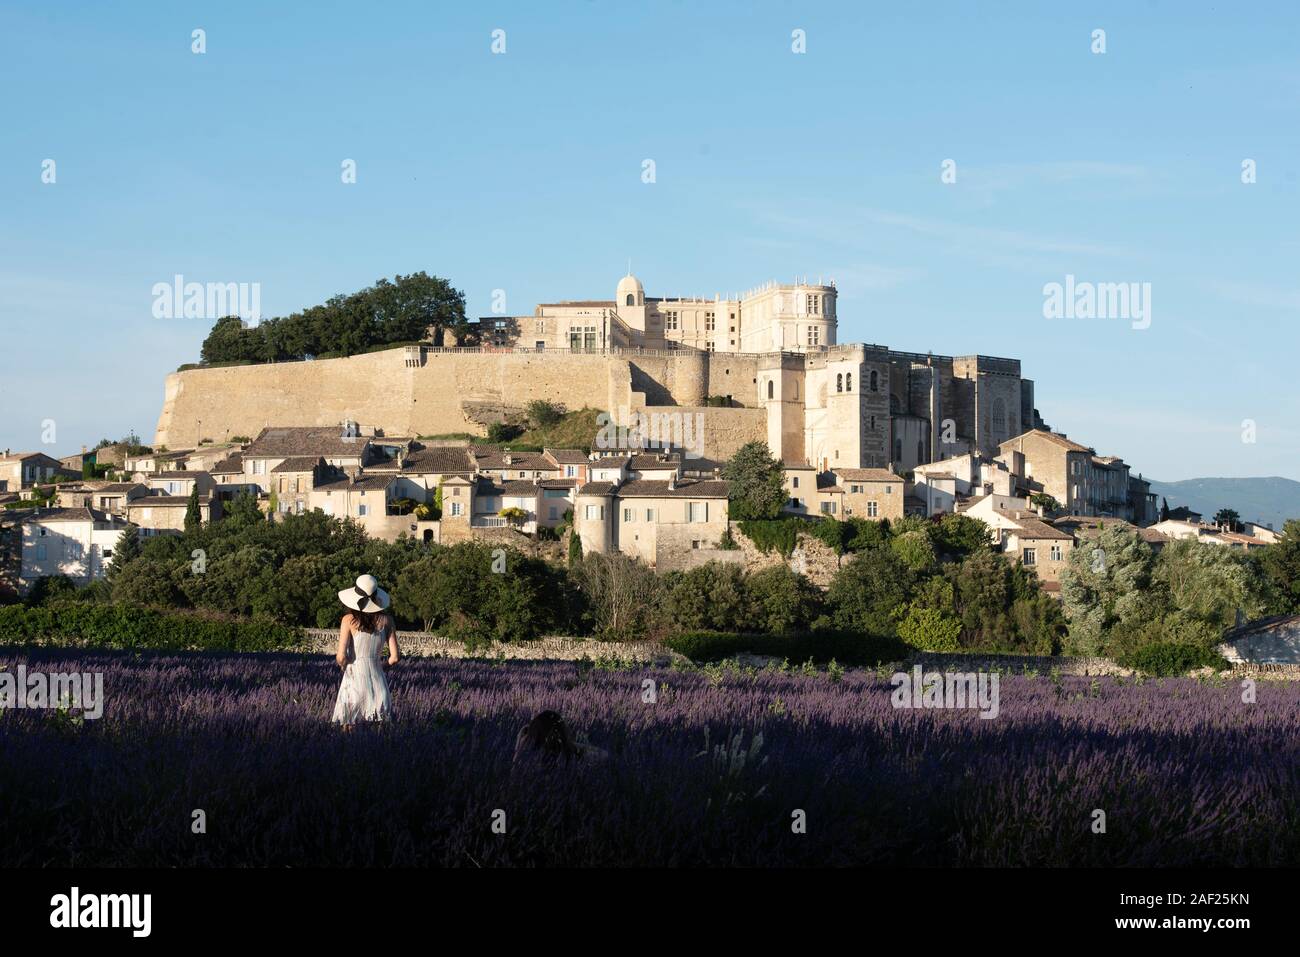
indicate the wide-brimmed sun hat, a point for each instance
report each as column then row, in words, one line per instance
column 367, row 596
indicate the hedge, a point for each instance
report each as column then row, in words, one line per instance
column 1164, row 659
column 845, row 647
column 131, row 626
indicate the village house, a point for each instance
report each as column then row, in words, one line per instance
column 659, row 522
column 165, row 514
column 23, row 470
column 76, row 542
column 110, row 497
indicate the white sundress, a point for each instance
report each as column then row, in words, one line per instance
column 363, row 695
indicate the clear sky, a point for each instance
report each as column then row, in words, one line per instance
column 522, row 171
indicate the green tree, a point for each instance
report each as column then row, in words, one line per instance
column 865, row 593
column 193, row 517
column 782, row 601
column 1279, row 565
column 1229, row 519
column 1107, row 581
column 709, row 597
column 125, row 551
column 757, row 482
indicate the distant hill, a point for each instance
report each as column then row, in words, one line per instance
column 1268, row 500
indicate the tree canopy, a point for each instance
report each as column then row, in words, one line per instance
column 404, row 309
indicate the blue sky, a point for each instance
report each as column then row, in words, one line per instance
column 522, row 172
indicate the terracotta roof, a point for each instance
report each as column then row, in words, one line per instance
column 1032, row 526
column 868, row 475
column 526, row 461
column 611, row 462
column 597, row 488
column 647, row 461
column 69, row 515
column 567, row 456
column 685, row 488
column 172, row 476
column 289, row 441
column 441, row 459
column 229, row 465
column 298, row 463
column 559, row 483
column 1052, row 437
column 518, row 487
column 163, row 501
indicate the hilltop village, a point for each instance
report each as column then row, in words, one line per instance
column 861, row 432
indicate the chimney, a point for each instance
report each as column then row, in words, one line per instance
column 672, row 482
column 510, row 459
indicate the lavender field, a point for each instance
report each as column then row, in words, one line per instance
column 1186, row 773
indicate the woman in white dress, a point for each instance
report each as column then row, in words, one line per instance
column 367, row 631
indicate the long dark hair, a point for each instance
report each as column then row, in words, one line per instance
column 548, row 735
column 369, row 621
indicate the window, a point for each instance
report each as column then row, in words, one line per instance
column 1029, row 556
column 627, row 514
column 40, row 553
column 710, row 322
column 848, row 382
column 889, row 490
column 839, row 382
column 875, row 381
column 361, row 510
column 1056, row 553
column 553, row 513
column 698, row 512
column 108, row 553
column 670, row 319
column 855, row 489
column 872, row 510
column 812, row 305
column 771, row 388
column 259, row 467
column 695, row 543
column 828, row 508
column 898, row 450
column 540, row 326
column 649, row 515
column 631, row 299
column 456, row 509
column 595, row 512
column 814, row 335
column 794, row 481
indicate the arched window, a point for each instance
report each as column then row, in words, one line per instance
column 848, row 382
column 875, row 382
column 631, row 299
column 839, row 382
column 771, row 388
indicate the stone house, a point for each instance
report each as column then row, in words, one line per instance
column 23, row 470
column 165, row 514
column 656, row 521
column 110, row 497
column 870, row 493
column 76, row 542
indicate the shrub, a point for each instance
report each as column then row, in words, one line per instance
column 543, row 414
column 130, row 626
column 1169, row 658
column 851, row 648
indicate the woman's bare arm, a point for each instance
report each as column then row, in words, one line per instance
column 393, row 656
column 345, row 635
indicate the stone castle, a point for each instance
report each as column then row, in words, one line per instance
column 762, row 365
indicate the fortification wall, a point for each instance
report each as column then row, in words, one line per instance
column 382, row 389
